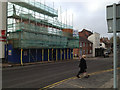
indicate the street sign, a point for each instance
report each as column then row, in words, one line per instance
column 110, row 18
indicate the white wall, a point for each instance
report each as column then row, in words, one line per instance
column 102, row 45
column 95, row 39
column 2, row 26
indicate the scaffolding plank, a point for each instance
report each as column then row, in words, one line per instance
column 39, row 10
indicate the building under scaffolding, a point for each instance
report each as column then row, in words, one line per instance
column 35, row 34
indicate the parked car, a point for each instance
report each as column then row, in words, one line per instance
column 109, row 51
column 106, row 54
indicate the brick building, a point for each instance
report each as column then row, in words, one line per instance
column 85, row 46
column 106, row 41
column 85, row 33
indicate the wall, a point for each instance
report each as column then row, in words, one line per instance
column 87, row 49
column 2, row 27
column 95, row 39
column 102, row 45
column 38, row 55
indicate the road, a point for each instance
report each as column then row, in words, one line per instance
column 41, row 75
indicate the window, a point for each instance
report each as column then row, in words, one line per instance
column 83, row 51
column 90, row 51
column 90, row 44
column 83, row 44
column 86, row 44
column 80, row 44
column 86, row 51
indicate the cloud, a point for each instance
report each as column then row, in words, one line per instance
column 89, row 14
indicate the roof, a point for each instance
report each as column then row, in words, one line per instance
column 84, row 30
column 85, row 33
column 84, row 40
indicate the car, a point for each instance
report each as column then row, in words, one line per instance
column 109, row 51
column 106, row 54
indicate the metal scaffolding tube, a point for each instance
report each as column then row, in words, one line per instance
column 33, row 32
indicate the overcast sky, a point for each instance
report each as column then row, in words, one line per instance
column 87, row 14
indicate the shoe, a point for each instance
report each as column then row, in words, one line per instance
column 87, row 76
column 78, row 76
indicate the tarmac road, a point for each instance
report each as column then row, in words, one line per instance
column 41, row 75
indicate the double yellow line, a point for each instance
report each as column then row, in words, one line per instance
column 60, row 82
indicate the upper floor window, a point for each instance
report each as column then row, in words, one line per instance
column 90, row 51
column 80, row 44
column 83, row 44
column 90, row 44
column 86, row 44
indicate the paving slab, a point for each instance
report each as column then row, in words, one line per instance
column 103, row 80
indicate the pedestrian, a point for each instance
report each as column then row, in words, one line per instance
column 83, row 67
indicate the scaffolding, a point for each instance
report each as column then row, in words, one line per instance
column 34, row 25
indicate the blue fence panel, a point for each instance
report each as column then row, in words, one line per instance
column 45, row 54
column 62, row 54
column 69, row 53
column 13, row 54
column 50, row 54
column 66, row 53
column 25, row 55
column 32, row 55
column 39, row 54
column 58, row 52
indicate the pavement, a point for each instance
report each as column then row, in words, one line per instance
column 94, row 81
column 6, row 65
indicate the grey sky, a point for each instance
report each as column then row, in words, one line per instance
column 88, row 14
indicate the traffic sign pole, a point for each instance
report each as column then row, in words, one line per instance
column 115, row 50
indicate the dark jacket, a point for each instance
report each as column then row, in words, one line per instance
column 83, row 64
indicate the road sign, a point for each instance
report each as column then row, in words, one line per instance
column 110, row 18
column 113, row 20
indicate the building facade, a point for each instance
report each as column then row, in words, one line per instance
column 85, row 46
column 106, row 42
column 102, row 45
column 33, row 34
column 3, row 18
column 95, row 39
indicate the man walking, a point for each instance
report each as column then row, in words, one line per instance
column 83, row 66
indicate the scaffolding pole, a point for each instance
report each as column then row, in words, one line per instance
column 21, row 57
column 70, row 53
column 52, row 53
column 56, row 55
column 36, row 54
column 29, row 55
column 61, row 53
column 67, row 54
column 64, row 54
column 42, row 55
column 48, row 55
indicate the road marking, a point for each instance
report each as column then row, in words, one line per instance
column 60, row 82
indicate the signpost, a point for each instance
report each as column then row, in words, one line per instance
column 113, row 11
column 113, row 21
